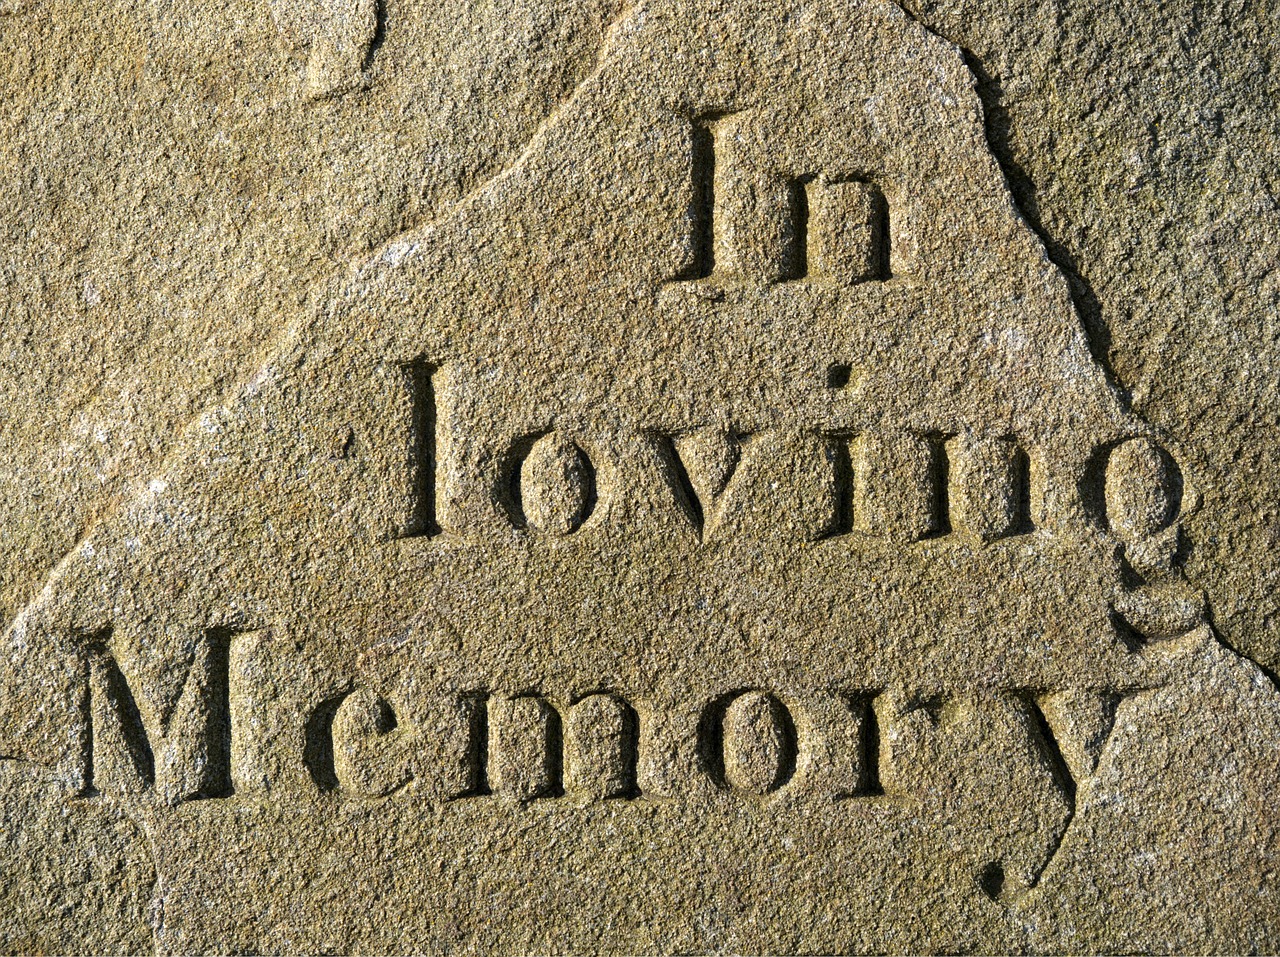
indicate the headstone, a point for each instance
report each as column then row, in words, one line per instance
column 643, row 477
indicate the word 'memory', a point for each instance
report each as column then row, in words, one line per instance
column 217, row 742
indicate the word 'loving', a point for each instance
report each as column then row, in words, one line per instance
column 901, row 486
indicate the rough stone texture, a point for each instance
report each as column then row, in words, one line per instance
column 748, row 476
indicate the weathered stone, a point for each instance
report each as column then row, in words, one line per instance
column 758, row 476
column 600, row 746
column 757, row 743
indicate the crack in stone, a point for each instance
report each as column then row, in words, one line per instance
column 996, row 123
column 281, row 341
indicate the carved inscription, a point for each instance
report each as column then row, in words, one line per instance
column 554, row 486
column 1143, row 488
column 366, row 746
column 1067, row 731
column 879, row 745
column 522, row 747
column 898, row 486
column 525, row 748
column 804, row 484
column 989, row 490
column 753, row 223
column 650, row 525
column 422, row 453
column 752, row 743
column 341, row 46
column 602, row 738
column 704, row 461
column 117, row 750
column 863, row 746
column 184, row 753
column 848, row 232
column 883, row 745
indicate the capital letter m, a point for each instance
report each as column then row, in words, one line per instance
column 181, row 750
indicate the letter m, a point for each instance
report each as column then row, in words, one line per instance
column 182, row 750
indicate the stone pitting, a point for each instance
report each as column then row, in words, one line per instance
column 713, row 531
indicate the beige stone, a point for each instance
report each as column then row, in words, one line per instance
column 753, row 476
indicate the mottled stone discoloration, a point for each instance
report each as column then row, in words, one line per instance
column 673, row 497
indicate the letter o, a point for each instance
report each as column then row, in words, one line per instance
column 1143, row 490
column 757, row 743
column 556, row 485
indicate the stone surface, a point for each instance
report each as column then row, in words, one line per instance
column 639, row 477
